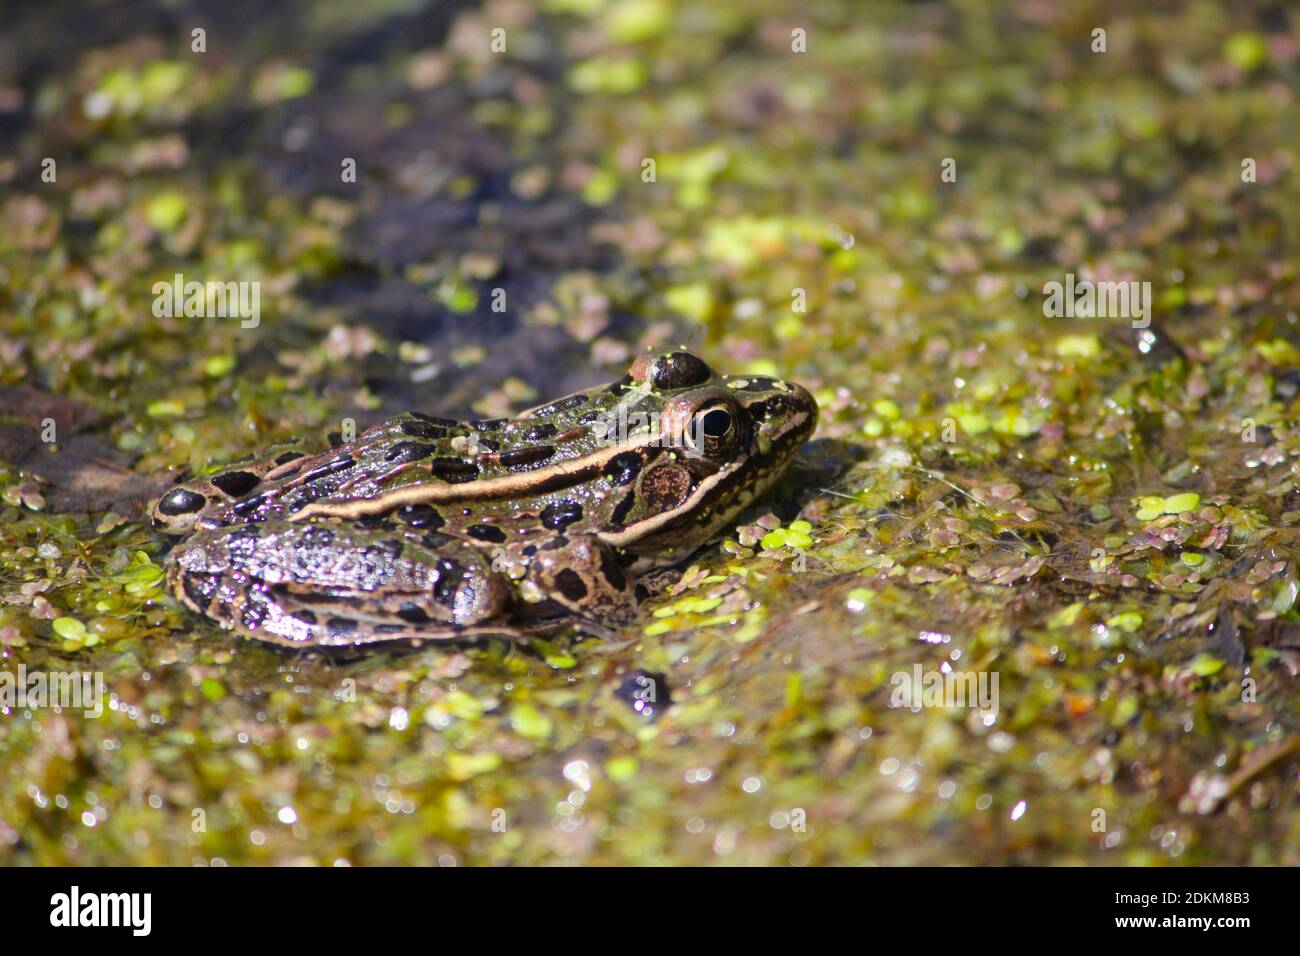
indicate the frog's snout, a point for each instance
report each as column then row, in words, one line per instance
column 803, row 400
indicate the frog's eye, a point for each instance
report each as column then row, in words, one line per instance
column 716, row 423
column 713, row 429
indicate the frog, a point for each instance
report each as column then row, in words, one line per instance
column 423, row 528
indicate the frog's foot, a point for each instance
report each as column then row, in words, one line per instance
column 177, row 511
column 308, row 584
column 583, row 574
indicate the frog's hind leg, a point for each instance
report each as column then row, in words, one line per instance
column 177, row 511
column 308, row 584
column 272, row 615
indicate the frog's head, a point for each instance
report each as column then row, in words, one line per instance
column 735, row 437
column 725, row 417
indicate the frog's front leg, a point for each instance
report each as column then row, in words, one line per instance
column 583, row 575
column 305, row 584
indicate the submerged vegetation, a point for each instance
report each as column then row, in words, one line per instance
column 868, row 200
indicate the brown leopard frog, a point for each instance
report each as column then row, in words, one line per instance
column 427, row 528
